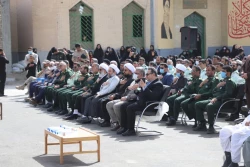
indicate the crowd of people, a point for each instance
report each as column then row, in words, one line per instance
column 112, row 87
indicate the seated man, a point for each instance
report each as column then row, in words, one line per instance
column 204, row 92
column 120, row 91
column 113, row 107
column 232, row 139
column 90, row 107
column 93, row 89
column 180, row 81
column 174, row 101
column 77, row 89
column 64, row 75
column 223, row 90
column 166, row 77
column 148, row 91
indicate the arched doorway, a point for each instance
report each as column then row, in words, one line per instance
column 133, row 25
column 81, row 26
column 197, row 20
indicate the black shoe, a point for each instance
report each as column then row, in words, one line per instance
column 129, row 132
column 171, row 122
column 195, row 125
column 116, row 127
column 71, row 117
column 228, row 160
column 232, row 117
column 69, row 114
column 63, row 112
column 222, row 115
column 164, row 118
column 211, row 130
column 121, row 130
column 201, row 127
column 58, row 111
column 50, row 109
column 48, row 105
column 105, row 124
column 84, row 120
column 234, row 165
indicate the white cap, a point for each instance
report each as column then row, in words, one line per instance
column 114, row 67
column 130, row 67
column 104, row 66
column 181, row 67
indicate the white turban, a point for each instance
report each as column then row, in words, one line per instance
column 181, row 67
column 114, row 67
column 130, row 67
column 104, row 66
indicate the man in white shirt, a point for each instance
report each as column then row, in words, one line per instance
column 235, row 75
column 202, row 65
column 232, row 139
column 31, row 53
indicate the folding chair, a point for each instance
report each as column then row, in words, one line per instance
column 231, row 105
column 152, row 105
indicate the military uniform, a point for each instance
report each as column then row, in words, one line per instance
column 219, row 93
column 205, row 91
column 174, row 101
column 68, row 96
column 61, row 81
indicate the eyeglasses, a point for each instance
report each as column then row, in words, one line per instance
column 148, row 74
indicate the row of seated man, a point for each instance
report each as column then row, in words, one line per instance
column 103, row 94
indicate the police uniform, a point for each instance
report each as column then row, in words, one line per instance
column 219, row 93
column 174, row 101
column 205, row 91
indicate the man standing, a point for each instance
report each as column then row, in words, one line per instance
column 3, row 62
column 31, row 53
column 79, row 53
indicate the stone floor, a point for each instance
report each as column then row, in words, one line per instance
column 22, row 142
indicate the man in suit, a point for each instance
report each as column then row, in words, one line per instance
column 80, row 100
column 148, row 91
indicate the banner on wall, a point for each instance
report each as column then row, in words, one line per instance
column 239, row 20
column 165, row 24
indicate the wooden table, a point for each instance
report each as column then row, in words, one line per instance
column 81, row 135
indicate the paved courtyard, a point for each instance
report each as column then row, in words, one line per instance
column 22, row 142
